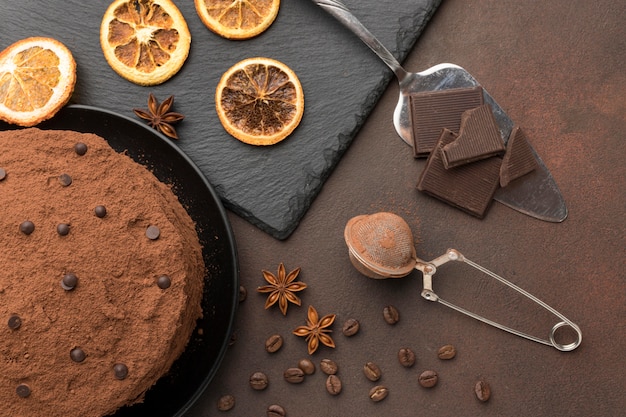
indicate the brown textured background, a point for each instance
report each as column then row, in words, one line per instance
column 557, row 69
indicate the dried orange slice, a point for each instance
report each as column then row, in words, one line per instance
column 145, row 41
column 37, row 78
column 259, row 101
column 237, row 19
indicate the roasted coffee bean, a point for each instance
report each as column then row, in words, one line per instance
column 307, row 366
column 350, row 327
column 27, row 227
column 65, row 180
column 428, row 379
column 446, row 352
column 372, row 371
column 63, row 229
column 273, row 343
column 22, row 390
column 328, row 366
column 69, row 282
column 378, row 393
column 225, row 402
column 120, row 370
column 276, row 410
column 14, row 322
column 153, row 232
column 391, row 314
column 482, row 390
column 258, row 381
column 80, row 148
column 294, row 375
column 243, row 293
column 406, row 357
column 100, row 211
column 333, row 384
column 77, row 355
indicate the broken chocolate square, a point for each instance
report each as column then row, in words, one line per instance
column 468, row 187
column 519, row 158
column 432, row 111
column 479, row 138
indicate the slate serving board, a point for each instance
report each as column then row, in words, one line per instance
column 271, row 187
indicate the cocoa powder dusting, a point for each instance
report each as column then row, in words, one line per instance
column 116, row 314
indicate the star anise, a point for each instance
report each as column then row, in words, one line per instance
column 159, row 116
column 282, row 288
column 316, row 330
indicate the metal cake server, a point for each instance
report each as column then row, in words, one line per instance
column 537, row 195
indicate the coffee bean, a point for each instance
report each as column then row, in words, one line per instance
column 14, row 322
column 27, row 227
column 372, row 371
column 243, row 293
column 446, row 352
column 69, row 282
column 406, row 357
column 80, row 148
column 77, row 355
column 258, row 381
column 65, row 180
column 3, row 174
column 276, row 410
column 350, row 327
column 307, row 366
column 164, row 282
column 153, row 232
column 120, row 370
column 428, row 379
column 100, row 211
column 482, row 390
column 22, row 390
column 273, row 343
column 333, row 385
column 63, row 229
column 391, row 314
column 225, row 402
column 328, row 366
column 294, row 375
column 378, row 393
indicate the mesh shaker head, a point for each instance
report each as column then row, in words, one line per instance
column 381, row 244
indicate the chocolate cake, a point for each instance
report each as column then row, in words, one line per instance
column 101, row 276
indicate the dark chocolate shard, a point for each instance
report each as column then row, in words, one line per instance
column 479, row 138
column 519, row 158
column 435, row 110
column 469, row 187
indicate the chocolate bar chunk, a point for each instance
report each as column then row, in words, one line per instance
column 518, row 160
column 479, row 138
column 468, row 187
column 435, row 110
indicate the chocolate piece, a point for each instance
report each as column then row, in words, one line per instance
column 120, row 370
column 518, row 159
column 77, row 355
column 14, row 322
column 65, row 180
column 469, row 187
column 63, row 229
column 435, row 110
column 100, row 211
column 27, row 227
column 22, row 390
column 80, row 148
column 69, row 282
column 153, row 232
column 479, row 138
column 164, row 282
column 3, row 174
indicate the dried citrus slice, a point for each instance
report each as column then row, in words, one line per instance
column 259, row 101
column 237, row 19
column 37, row 78
column 145, row 41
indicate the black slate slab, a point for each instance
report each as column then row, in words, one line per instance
column 342, row 79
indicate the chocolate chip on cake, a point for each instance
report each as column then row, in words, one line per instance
column 22, row 390
column 120, row 370
column 153, row 232
column 3, row 174
column 80, row 148
column 65, row 180
column 164, row 282
column 27, row 227
column 14, row 322
column 100, row 211
column 63, row 229
column 69, row 282
column 77, row 355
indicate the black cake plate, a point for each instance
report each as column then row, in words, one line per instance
column 176, row 392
